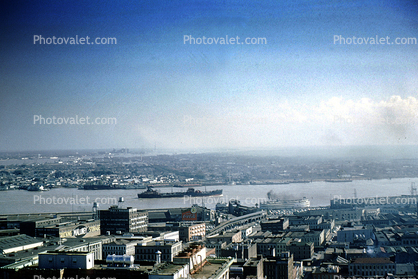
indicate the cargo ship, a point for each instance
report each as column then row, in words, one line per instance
column 151, row 193
column 97, row 187
column 100, row 185
column 338, row 180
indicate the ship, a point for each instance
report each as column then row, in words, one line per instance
column 285, row 204
column 338, row 180
column 151, row 193
column 37, row 187
column 96, row 185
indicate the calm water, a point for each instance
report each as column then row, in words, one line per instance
column 319, row 193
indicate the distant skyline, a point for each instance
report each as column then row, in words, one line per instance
column 299, row 90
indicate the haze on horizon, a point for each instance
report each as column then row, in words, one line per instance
column 298, row 90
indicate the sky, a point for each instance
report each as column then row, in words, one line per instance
column 299, row 88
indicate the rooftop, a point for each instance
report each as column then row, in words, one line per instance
column 373, row 260
column 214, row 267
column 17, row 240
column 166, row 269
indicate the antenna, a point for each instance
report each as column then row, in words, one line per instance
column 355, row 193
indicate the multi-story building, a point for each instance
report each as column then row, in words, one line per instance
column 191, row 232
column 119, row 247
column 275, row 226
column 279, row 267
column 301, row 250
column 317, row 237
column 117, row 220
column 253, row 268
column 369, row 267
column 147, row 251
column 272, row 246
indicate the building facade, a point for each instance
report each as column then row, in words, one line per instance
column 117, row 220
column 71, row 260
column 147, row 251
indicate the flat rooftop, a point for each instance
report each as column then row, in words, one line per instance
column 211, row 268
column 8, row 242
column 167, row 269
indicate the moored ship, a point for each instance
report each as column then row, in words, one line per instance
column 338, row 180
column 286, row 204
column 151, row 193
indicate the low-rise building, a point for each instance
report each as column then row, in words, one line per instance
column 348, row 234
column 12, row 244
column 71, row 260
column 87, row 228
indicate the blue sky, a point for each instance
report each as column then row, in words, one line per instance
column 300, row 89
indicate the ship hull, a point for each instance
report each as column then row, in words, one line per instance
column 179, row 195
column 97, row 187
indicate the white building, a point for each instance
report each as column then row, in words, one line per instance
column 71, row 260
column 348, row 234
column 119, row 247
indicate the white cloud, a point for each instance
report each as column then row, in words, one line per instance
column 267, row 123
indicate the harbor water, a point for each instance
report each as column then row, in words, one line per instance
column 319, row 194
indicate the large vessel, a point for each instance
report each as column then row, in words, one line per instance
column 100, row 185
column 338, row 180
column 285, row 204
column 151, row 193
column 96, row 186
